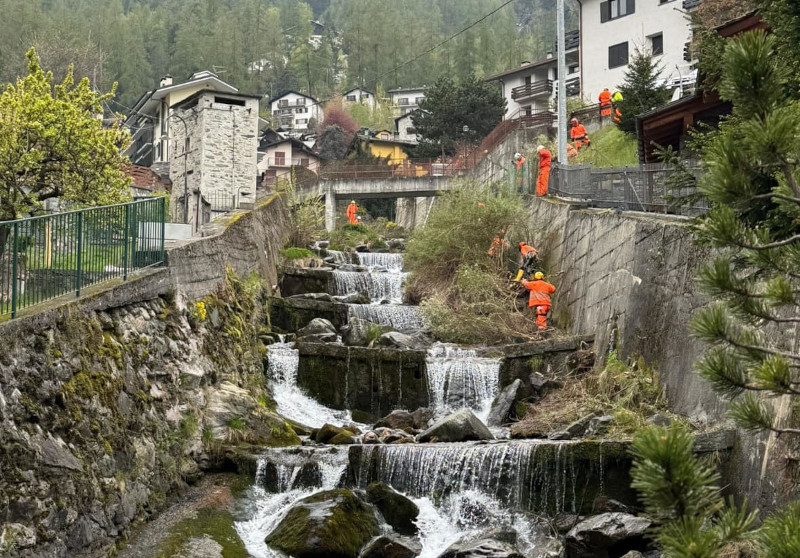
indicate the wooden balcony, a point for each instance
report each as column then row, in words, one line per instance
column 540, row 88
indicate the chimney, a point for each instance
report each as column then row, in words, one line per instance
column 166, row 81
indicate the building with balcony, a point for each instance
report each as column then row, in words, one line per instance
column 359, row 95
column 277, row 156
column 612, row 30
column 404, row 128
column 148, row 123
column 406, row 99
column 294, row 112
column 531, row 88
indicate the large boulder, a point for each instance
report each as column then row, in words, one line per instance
column 328, row 524
column 503, row 403
column 397, row 510
column 398, row 340
column 391, row 546
column 352, row 298
column 357, row 332
column 330, row 434
column 607, row 534
column 460, row 426
column 403, row 420
column 574, row 430
column 483, row 548
column 318, row 329
column 232, row 413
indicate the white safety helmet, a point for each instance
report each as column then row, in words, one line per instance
column 517, row 156
column 541, row 147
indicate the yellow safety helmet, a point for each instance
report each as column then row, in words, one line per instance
column 538, row 275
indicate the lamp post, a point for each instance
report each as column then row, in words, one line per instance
column 185, row 157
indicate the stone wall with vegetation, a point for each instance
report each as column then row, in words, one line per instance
column 111, row 404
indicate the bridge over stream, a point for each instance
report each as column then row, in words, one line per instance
column 372, row 188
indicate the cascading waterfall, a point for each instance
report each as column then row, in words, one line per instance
column 340, row 257
column 538, row 476
column 398, row 316
column 292, row 403
column 458, row 377
column 297, row 474
column 380, row 286
column 392, row 262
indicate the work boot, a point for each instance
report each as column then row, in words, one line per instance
column 518, row 277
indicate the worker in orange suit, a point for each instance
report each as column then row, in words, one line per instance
column 539, row 298
column 605, row 103
column 578, row 134
column 571, row 151
column 519, row 165
column 529, row 257
column 545, row 158
column 351, row 212
column 499, row 246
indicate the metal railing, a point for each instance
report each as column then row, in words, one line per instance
column 457, row 165
column 643, row 188
column 53, row 255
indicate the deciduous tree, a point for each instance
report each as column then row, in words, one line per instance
column 53, row 145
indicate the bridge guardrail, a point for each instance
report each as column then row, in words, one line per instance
column 45, row 257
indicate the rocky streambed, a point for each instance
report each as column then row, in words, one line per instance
column 405, row 447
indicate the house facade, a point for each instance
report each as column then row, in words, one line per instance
column 359, row 95
column 612, row 30
column 531, row 88
column 277, row 156
column 404, row 128
column 216, row 163
column 149, row 122
column 294, row 112
column 406, row 99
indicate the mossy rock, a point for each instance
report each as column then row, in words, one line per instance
column 397, row 510
column 328, row 524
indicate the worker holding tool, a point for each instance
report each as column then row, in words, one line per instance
column 578, row 134
column 539, row 299
column 529, row 259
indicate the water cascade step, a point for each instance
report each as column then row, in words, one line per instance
column 458, row 377
column 380, row 286
column 534, row 475
column 292, row 402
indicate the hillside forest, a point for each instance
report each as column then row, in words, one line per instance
column 265, row 47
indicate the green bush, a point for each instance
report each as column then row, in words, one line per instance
column 295, row 253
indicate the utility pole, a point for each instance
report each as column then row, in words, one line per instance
column 562, row 86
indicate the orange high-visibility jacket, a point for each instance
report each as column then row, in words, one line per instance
column 540, row 292
column 604, row 98
column 351, row 211
column 577, row 132
column 526, row 249
column 520, row 162
column 545, row 157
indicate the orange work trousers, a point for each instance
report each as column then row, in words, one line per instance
column 541, row 316
column 542, row 180
column 605, row 110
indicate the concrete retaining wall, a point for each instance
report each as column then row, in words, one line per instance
column 629, row 279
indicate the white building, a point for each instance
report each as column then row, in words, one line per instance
column 531, row 88
column 612, row 30
column 294, row 111
column 406, row 99
column 148, row 122
column 404, row 128
column 359, row 95
column 276, row 157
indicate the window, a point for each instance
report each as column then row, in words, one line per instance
column 617, row 55
column 301, row 110
column 574, row 69
column 304, row 162
column 301, row 121
column 657, row 44
column 365, row 95
column 411, row 131
column 613, row 9
column 418, row 100
column 351, row 98
column 301, row 101
column 283, row 103
column 280, row 158
column 403, row 101
column 275, row 112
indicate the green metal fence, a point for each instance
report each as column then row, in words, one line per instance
column 49, row 256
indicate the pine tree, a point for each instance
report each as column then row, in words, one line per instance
column 753, row 165
column 641, row 90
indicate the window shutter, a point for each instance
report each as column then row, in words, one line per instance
column 631, row 7
column 604, row 11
